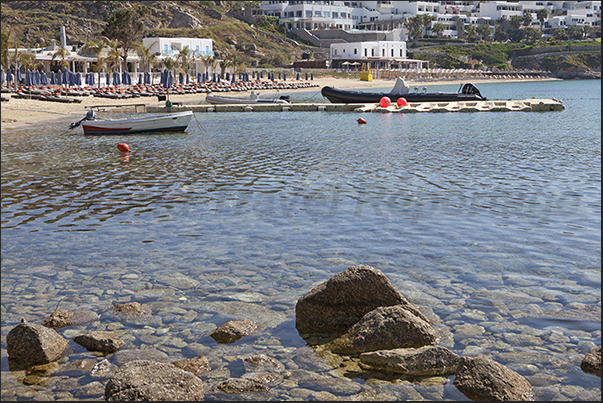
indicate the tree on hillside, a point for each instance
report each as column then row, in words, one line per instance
column 425, row 20
column 485, row 32
column 526, row 18
column 515, row 22
column 532, row 34
column 470, row 33
column 542, row 15
column 126, row 27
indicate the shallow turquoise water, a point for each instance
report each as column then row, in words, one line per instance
column 468, row 214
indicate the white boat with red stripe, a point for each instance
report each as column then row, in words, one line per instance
column 169, row 122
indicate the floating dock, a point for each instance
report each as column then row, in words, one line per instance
column 525, row 105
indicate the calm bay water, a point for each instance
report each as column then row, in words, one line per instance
column 489, row 222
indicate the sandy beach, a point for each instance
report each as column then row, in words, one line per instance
column 17, row 113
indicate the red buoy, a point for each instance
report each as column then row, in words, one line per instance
column 385, row 102
column 123, row 147
column 401, row 101
column 360, row 120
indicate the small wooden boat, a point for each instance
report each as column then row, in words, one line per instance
column 254, row 98
column 467, row 92
column 169, row 122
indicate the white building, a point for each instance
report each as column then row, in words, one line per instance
column 172, row 46
column 381, row 54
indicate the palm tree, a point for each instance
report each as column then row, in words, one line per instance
column 147, row 58
column 184, row 56
column 208, row 61
column 96, row 47
column 113, row 57
column 426, row 22
column 485, row 32
column 438, row 28
column 62, row 53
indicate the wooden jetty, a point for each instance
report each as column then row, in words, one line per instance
column 525, row 105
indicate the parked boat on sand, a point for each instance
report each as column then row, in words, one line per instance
column 467, row 92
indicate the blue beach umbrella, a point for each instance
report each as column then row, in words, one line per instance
column 181, row 78
column 297, row 76
column 284, row 76
column 72, row 79
column 116, row 80
column 9, row 75
column 279, row 75
column 53, row 78
column 59, row 77
column 44, row 78
column 78, row 79
column 170, row 80
column 199, row 77
column 87, row 79
column 18, row 75
column 37, row 77
column 124, row 78
column 108, row 78
column 2, row 76
column 306, row 75
column 28, row 80
column 140, row 79
column 187, row 78
column 311, row 76
column 147, row 78
column 91, row 78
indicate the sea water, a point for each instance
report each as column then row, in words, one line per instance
column 489, row 222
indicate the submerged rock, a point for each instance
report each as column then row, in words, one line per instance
column 424, row 361
column 233, row 330
column 62, row 317
column 592, row 362
column 480, row 378
column 103, row 341
column 150, row 380
column 197, row 366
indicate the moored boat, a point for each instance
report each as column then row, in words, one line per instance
column 254, row 98
column 467, row 92
column 169, row 122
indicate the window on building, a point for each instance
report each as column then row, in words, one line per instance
column 355, row 51
column 317, row 13
column 308, row 13
column 335, row 15
column 326, row 14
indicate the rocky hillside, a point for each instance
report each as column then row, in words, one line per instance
column 36, row 23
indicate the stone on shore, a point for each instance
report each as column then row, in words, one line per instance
column 33, row 344
column 423, row 361
column 103, row 341
column 480, row 378
column 233, row 330
column 150, row 380
column 592, row 362
column 385, row 328
column 339, row 303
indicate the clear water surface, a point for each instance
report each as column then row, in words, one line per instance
column 489, row 222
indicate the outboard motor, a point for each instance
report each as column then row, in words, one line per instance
column 90, row 115
column 471, row 89
column 285, row 98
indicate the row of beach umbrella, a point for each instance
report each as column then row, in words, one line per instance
column 66, row 77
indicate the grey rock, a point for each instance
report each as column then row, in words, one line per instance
column 480, row 378
column 103, row 341
column 243, row 385
column 423, row 361
column 103, row 369
column 35, row 344
column 233, row 330
column 150, row 380
column 62, row 317
column 384, row 328
column 592, row 362
column 337, row 304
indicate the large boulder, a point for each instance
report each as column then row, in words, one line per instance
column 62, row 317
column 150, row 380
column 423, row 361
column 480, row 378
column 233, row 330
column 34, row 344
column 337, row 304
column 384, row 328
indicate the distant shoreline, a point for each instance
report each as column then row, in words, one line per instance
column 19, row 113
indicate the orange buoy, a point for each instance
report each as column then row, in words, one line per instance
column 360, row 120
column 385, row 102
column 123, row 147
column 401, row 102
